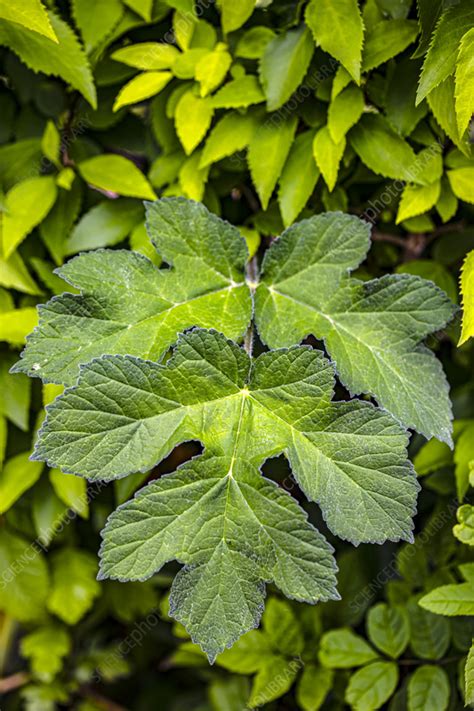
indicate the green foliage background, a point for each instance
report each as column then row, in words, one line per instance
column 266, row 113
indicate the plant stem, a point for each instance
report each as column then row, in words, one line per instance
column 251, row 277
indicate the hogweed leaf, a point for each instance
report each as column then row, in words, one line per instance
column 126, row 414
column 127, row 305
column 372, row 330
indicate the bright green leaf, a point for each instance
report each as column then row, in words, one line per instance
column 239, row 93
column 72, row 490
column 234, row 14
column 26, row 205
column 388, row 628
column 313, row 686
column 147, row 55
column 298, row 178
column 467, row 295
column 343, row 649
column 450, row 600
column 344, row 112
column 142, row 87
column 74, row 586
column 338, row 28
column 30, row 14
column 370, row 687
column 284, row 65
column 65, row 59
column 46, row 648
column 464, row 91
column 24, row 578
column 193, row 117
column 417, row 199
column 116, row 174
column 17, row 476
column 267, row 154
column 232, row 133
column 462, row 183
column 212, row 69
column 464, row 530
column 441, row 58
column 328, row 155
column 387, row 39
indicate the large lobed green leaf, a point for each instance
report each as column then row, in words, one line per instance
column 129, row 306
column 373, row 330
column 217, row 514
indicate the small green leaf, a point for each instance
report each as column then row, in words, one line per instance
column 274, row 678
column 462, row 183
column 428, row 688
column 344, row 112
column 46, row 648
column 382, row 150
column 328, row 155
column 116, row 174
column 387, row 39
column 343, row 649
column 370, row 687
column 193, row 117
column 252, row 44
column 74, row 586
column 51, row 143
column 464, row 92
column 338, row 28
column 417, row 199
column 284, row 65
column 24, row 578
column 430, row 634
column 467, row 295
column 234, row 14
column 142, row 87
column 232, row 133
column 267, row 154
column 211, row 70
column 441, row 101
column 469, row 677
column 402, row 113
column 14, row 275
column 313, row 686
column 282, row 628
column 464, row 530
column 26, row 205
column 141, row 7
column 72, row 490
column 147, row 55
column 16, row 394
column 447, row 203
column 65, row 59
column 30, row 14
column 450, row 600
column 239, row 93
column 105, row 20
column 17, row 476
column 388, row 628
column 298, row 178
column 440, row 60
column 107, row 223
column 16, row 324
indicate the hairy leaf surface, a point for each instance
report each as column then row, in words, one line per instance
column 127, row 305
column 372, row 330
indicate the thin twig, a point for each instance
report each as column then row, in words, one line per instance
column 14, row 681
